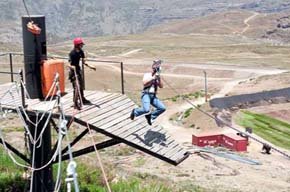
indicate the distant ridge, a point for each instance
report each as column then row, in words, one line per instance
column 67, row 19
column 271, row 26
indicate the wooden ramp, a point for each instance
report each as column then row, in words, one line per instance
column 108, row 114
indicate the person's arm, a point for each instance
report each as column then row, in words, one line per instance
column 160, row 82
column 85, row 63
column 69, row 64
column 147, row 79
column 89, row 66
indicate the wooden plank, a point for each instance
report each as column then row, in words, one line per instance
column 98, row 101
column 179, row 155
column 10, row 102
column 173, row 150
column 153, row 145
column 108, row 109
column 113, row 117
column 119, row 120
column 5, row 95
column 161, row 141
column 102, row 115
column 125, row 125
column 168, row 148
column 105, row 106
column 169, row 140
column 5, row 89
column 95, row 101
column 69, row 100
column 31, row 102
column 135, row 139
column 133, row 127
column 140, row 133
column 45, row 106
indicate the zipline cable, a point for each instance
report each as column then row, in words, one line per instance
column 226, row 124
column 26, row 10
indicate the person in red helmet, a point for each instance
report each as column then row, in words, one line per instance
column 75, row 74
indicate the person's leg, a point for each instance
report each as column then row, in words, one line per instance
column 81, row 85
column 145, row 106
column 160, row 108
column 75, row 95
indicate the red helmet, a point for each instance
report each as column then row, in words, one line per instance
column 78, row 41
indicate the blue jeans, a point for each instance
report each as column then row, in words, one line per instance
column 147, row 99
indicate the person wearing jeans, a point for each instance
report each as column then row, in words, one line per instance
column 151, row 83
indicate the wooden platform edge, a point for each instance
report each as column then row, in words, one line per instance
column 81, row 122
column 168, row 160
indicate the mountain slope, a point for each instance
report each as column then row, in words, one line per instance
column 274, row 26
column 70, row 18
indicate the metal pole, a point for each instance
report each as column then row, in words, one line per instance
column 11, row 68
column 205, row 85
column 34, row 48
column 122, row 78
column 40, row 154
column 22, row 88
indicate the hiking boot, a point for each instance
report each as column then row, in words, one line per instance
column 85, row 101
column 132, row 115
column 148, row 118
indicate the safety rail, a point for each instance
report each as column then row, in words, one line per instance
column 10, row 65
column 11, row 54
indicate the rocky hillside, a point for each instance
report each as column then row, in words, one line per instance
column 70, row 18
column 270, row 26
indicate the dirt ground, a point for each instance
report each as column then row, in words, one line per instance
column 216, row 173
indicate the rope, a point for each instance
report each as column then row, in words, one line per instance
column 26, row 10
column 33, row 158
column 62, row 131
column 226, row 124
column 93, row 141
column 99, row 159
column 35, row 140
column 63, row 126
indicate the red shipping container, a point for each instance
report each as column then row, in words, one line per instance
column 234, row 142
column 205, row 139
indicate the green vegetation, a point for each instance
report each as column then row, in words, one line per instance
column 136, row 185
column 271, row 129
column 189, row 96
column 10, row 174
column 139, row 162
column 12, row 129
column 90, row 179
column 188, row 112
